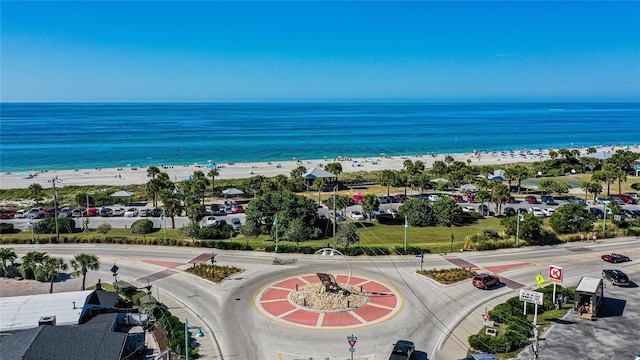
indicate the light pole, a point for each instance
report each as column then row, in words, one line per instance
column 452, row 238
column 186, row 336
column 406, row 226
column 520, row 217
column 33, row 239
column 604, row 222
column 164, row 221
column 275, row 222
column 332, row 252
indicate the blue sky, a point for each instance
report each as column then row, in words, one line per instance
column 319, row 51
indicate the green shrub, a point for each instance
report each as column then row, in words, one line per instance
column 6, row 228
column 104, row 228
column 142, row 227
column 48, row 226
column 221, row 232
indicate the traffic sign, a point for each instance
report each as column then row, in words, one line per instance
column 531, row 296
column 352, row 340
column 555, row 273
column 539, row 280
column 485, row 317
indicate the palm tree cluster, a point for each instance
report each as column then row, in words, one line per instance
column 43, row 267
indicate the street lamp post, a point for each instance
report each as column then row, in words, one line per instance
column 275, row 222
column 604, row 222
column 186, row 336
column 332, row 252
column 164, row 221
column 452, row 237
column 33, row 239
column 520, row 216
column 406, row 225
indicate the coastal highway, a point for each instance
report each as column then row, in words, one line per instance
column 429, row 313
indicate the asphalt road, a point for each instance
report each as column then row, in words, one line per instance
column 429, row 313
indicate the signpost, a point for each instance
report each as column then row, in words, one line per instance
column 537, row 299
column 352, row 343
column 555, row 273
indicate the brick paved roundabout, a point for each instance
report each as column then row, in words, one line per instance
column 274, row 301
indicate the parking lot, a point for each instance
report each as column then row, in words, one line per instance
column 614, row 334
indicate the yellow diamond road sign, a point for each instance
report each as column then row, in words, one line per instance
column 539, row 280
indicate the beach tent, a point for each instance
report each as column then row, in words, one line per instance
column 123, row 193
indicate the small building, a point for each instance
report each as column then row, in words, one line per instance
column 588, row 297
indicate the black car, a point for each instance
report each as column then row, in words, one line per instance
column 548, row 199
column 403, row 349
column 509, row 211
column 599, row 214
column 616, row 277
column 155, row 213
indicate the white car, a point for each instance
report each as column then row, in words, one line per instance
column 393, row 212
column 144, row 212
column 468, row 209
column 536, row 211
column 548, row 211
column 208, row 221
column 433, row 197
column 131, row 212
column 118, row 212
column 22, row 214
column 356, row 215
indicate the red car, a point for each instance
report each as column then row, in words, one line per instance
column 7, row 214
column 511, row 200
column 615, row 258
column 531, row 199
column 624, row 197
column 238, row 209
column 50, row 212
column 484, row 281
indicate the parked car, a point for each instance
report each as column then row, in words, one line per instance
column 457, row 198
column 403, row 349
column 219, row 222
column 483, row 356
column 615, row 258
column 616, row 200
column 548, row 199
column 356, row 215
column 511, row 200
column 531, row 199
column 78, row 212
column 155, row 213
column 217, row 209
column 536, row 211
column 238, row 209
column 21, row 214
column 629, row 214
column 484, row 281
column 576, row 200
column 509, row 211
column 468, row 209
column 626, row 198
column 65, row 212
column 393, row 212
column 603, row 201
column 132, row 212
column 50, row 212
column 144, row 212
column 236, row 223
column 548, row 211
column 617, row 277
column 106, row 212
column 208, row 221
column 118, row 212
column 7, row 214
column 599, row 214
column 433, row 197
column 92, row 211
column 338, row 217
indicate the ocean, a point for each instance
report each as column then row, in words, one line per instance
column 43, row 136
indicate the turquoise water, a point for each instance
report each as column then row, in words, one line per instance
column 87, row 135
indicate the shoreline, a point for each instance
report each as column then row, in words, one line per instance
column 138, row 175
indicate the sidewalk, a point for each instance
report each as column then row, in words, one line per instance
column 455, row 345
column 208, row 348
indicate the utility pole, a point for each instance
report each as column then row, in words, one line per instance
column 55, row 206
column 335, row 215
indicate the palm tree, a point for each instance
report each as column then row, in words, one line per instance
column 30, row 263
column 82, row 263
column 6, row 254
column 370, row 203
column 153, row 171
column 35, row 190
column 199, row 183
column 212, row 174
column 51, row 269
column 449, row 159
column 320, row 183
column 385, row 177
column 521, row 172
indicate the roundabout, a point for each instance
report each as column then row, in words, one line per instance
column 302, row 301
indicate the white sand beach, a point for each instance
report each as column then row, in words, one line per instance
column 138, row 175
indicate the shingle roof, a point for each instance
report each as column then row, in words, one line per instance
column 317, row 172
column 62, row 343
